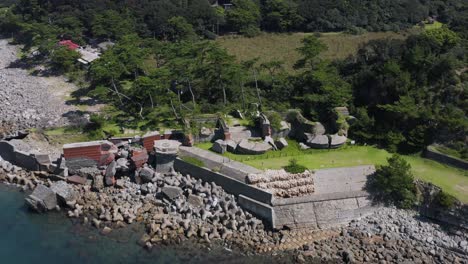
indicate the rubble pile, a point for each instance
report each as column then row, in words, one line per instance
column 283, row 184
column 15, row 175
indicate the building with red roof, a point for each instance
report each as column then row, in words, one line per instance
column 69, row 44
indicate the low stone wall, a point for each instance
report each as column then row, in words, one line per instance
column 219, row 163
column 229, row 184
column 431, row 153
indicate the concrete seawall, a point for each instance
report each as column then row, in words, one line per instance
column 339, row 197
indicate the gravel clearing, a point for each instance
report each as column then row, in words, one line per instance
column 28, row 101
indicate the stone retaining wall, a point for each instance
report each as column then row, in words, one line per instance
column 431, row 153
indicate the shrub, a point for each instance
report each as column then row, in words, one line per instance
column 96, row 123
column 193, row 161
column 356, row 30
column 294, row 168
column 250, row 32
column 275, row 120
column 445, row 200
column 63, row 58
column 394, row 183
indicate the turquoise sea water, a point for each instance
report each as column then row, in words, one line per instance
column 27, row 237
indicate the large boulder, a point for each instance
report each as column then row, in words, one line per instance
column 75, row 179
column 122, row 164
column 269, row 140
column 88, row 172
column 195, row 200
column 146, row 174
column 220, row 146
column 337, row 141
column 111, row 170
column 172, row 192
column 231, row 145
column 253, row 148
column 319, row 142
column 319, row 129
column 65, row 192
column 98, row 182
column 42, row 199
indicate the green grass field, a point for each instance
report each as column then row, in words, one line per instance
column 283, row 47
column 452, row 180
column 434, row 25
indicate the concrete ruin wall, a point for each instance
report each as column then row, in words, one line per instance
column 22, row 159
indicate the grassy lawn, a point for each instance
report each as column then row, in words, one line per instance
column 435, row 25
column 63, row 135
column 283, row 46
column 452, row 180
column 66, row 135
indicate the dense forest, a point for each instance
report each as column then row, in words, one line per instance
column 152, row 18
column 164, row 67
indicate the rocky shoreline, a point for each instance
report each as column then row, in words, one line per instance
column 180, row 208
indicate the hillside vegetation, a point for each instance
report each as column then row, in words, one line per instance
column 283, row 46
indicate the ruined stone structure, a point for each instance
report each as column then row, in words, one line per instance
column 148, row 140
column 166, row 152
column 89, row 154
column 313, row 134
column 13, row 152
